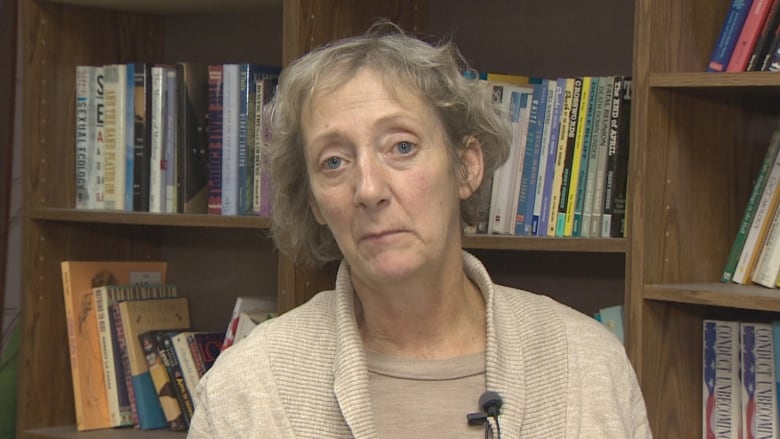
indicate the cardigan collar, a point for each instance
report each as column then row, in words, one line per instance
column 525, row 357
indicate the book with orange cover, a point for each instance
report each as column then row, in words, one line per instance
column 89, row 381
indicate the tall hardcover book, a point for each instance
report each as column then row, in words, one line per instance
column 139, row 316
column 89, row 379
column 768, row 163
column 721, row 397
column 729, row 34
column 757, row 365
column 530, row 171
column 192, row 169
column 215, row 118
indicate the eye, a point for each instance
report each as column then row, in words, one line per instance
column 333, row 162
column 404, row 147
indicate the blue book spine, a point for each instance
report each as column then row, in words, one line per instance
column 533, row 146
column 552, row 153
column 729, row 34
column 150, row 412
column 129, row 141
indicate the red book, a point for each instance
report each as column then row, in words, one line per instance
column 754, row 23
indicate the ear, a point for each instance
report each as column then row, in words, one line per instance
column 471, row 156
column 315, row 210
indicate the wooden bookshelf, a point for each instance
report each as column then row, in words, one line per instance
column 696, row 142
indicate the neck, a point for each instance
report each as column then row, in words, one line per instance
column 434, row 320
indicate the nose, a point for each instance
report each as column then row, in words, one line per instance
column 371, row 183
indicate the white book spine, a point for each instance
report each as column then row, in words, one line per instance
column 230, row 139
column 156, row 181
column 83, row 103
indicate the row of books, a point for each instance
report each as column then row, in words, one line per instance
column 755, row 253
column 749, row 39
column 181, row 138
column 740, row 379
column 568, row 162
column 135, row 359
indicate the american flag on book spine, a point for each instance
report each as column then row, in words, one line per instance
column 721, row 409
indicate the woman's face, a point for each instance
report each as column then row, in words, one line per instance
column 382, row 180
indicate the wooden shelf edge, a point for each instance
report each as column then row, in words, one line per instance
column 69, row 431
column 149, row 219
column 171, row 7
column 750, row 297
column 586, row 245
column 702, row 80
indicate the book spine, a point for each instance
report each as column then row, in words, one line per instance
column 560, row 158
column 748, row 36
column 184, row 355
column 230, row 108
column 761, row 212
column 129, row 138
column 579, row 145
column 544, row 154
column 620, row 187
column 592, row 137
column 107, row 353
column 215, row 113
column 601, row 156
column 768, row 263
column 611, row 169
column 141, row 133
column 245, row 167
column 111, row 137
column 82, row 136
column 197, row 357
column 729, row 34
column 552, row 155
column 568, row 162
column 128, row 382
column 720, row 385
column 192, row 138
column 75, row 369
column 171, row 362
column 530, row 170
column 759, row 401
column 582, row 197
column 169, row 159
column 97, row 154
column 155, row 160
column 772, row 49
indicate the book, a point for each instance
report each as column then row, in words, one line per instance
column 728, row 36
column 139, row 316
column 748, row 35
column 568, row 159
column 171, row 201
column 163, row 385
column 244, row 304
column 544, row 155
column 208, row 345
column 515, row 102
column 759, row 224
column 530, row 171
column 141, row 136
column 215, row 116
column 765, row 37
column 768, row 262
column 129, row 138
column 192, row 169
column 230, row 109
column 117, row 392
column 263, row 184
column 189, row 371
column 579, row 144
column 156, row 161
column 772, row 49
column 721, row 398
column 248, row 320
column 594, row 154
column 547, row 201
column 602, row 145
column 560, row 158
column 171, row 361
column 759, row 401
column 115, row 85
column 767, row 165
column 83, row 102
column 581, row 196
column 89, row 380
column 616, row 186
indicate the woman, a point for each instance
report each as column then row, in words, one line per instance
column 380, row 147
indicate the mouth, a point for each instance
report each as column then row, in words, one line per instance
column 379, row 236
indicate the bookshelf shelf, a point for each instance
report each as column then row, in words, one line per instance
column 738, row 80
column 69, row 431
column 588, row 245
column 170, row 7
column 748, row 297
column 149, row 219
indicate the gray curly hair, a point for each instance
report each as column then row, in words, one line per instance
column 437, row 73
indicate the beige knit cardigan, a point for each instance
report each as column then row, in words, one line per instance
column 303, row 375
